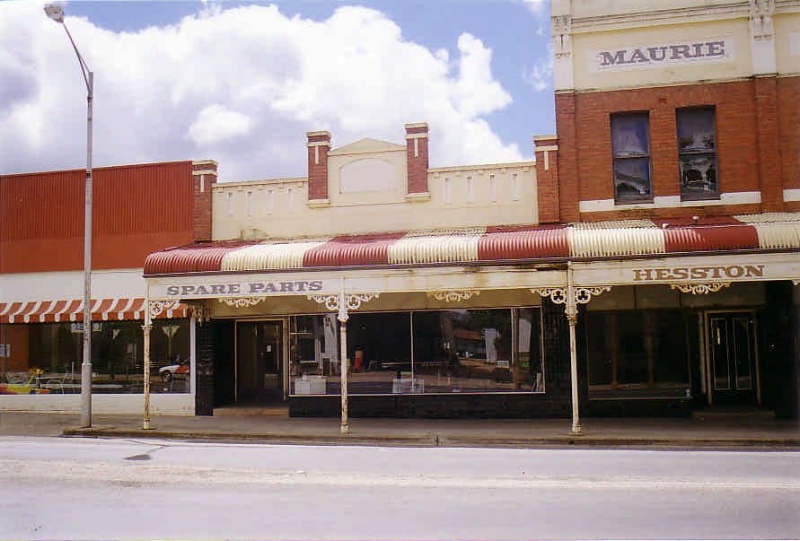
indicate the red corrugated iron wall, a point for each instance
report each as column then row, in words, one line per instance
column 138, row 209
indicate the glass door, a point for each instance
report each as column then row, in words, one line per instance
column 732, row 357
column 259, row 362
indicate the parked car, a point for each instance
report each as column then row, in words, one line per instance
column 170, row 372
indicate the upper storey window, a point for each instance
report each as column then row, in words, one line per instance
column 697, row 153
column 630, row 143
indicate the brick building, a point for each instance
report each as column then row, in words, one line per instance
column 679, row 137
column 138, row 209
column 644, row 264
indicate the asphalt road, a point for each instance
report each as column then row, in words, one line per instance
column 121, row 489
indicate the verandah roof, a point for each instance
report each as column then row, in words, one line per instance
column 533, row 243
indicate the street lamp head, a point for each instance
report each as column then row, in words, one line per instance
column 55, row 12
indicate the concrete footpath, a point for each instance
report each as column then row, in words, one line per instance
column 277, row 428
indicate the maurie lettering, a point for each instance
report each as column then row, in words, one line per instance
column 662, row 54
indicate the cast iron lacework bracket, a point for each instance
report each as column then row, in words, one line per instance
column 156, row 308
column 454, row 295
column 200, row 312
column 582, row 295
column 343, row 302
column 242, row 302
column 700, row 289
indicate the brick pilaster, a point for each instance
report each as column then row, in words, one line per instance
column 770, row 174
column 417, row 158
column 204, row 173
column 547, row 196
column 569, row 192
column 319, row 144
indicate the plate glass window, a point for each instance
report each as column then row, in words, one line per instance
column 697, row 153
column 630, row 142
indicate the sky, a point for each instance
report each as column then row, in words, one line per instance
column 241, row 82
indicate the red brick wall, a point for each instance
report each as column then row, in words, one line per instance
column 417, row 163
column 769, row 155
column 547, row 193
column 318, row 168
column 566, row 125
column 747, row 124
column 204, row 181
column 788, row 98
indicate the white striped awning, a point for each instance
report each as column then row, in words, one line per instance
column 72, row 310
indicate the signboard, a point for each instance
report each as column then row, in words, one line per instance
column 238, row 289
column 658, row 55
column 711, row 272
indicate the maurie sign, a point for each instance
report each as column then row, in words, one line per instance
column 653, row 56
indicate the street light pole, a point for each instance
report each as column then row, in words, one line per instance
column 56, row 13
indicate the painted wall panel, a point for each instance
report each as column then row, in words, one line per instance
column 136, row 210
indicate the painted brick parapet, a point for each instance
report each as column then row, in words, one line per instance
column 417, row 158
column 319, row 144
column 547, row 192
column 205, row 178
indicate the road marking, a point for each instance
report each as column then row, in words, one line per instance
column 144, row 473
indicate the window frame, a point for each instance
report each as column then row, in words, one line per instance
column 631, row 158
column 706, row 189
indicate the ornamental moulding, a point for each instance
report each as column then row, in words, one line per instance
column 156, row 308
column 200, row 312
column 241, row 302
column 454, row 295
column 700, row 289
column 582, row 295
column 352, row 301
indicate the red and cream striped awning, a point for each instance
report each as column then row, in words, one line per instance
column 72, row 310
column 533, row 243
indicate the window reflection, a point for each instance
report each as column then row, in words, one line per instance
column 51, row 361
column 447, row 351
column 643, row 353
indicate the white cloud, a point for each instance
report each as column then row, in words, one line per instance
column 216, row 123
column 540, row 75
column 239, row 85
column 538, row 7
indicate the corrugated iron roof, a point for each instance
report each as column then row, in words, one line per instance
column 530, row 243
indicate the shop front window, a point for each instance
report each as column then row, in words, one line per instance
column 448, row 351
column 49, row 356
column 642, row 353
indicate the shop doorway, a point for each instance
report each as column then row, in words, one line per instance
column 732, row 359
column 259, row 362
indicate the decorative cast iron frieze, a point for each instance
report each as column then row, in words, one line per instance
column 454, row 295
column 582, row 295
column 156, row 308
column 241, row 302
column 200, row 312
column 343, row 302
column 700, row 289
